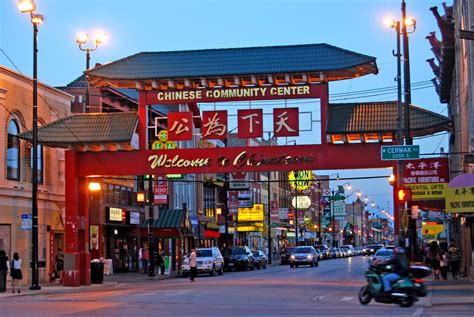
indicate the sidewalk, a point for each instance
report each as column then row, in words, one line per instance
column 452, row 292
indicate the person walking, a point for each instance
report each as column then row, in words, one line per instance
column 3, row 270
column 161, row 263
column 434, row 259
column 193, row 264
column 59, row 258
column 145, row 258
column 140, row 260
column 15, row 272
column 454, row 256
column 443, row 256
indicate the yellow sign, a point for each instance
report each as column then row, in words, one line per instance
column 427, row 191
column 162, row 143
column 249, row 229
column 460, row 200
column 432, row 230
column 300, row 180
column 115, row 214
column 251, row 214
column 163, row 136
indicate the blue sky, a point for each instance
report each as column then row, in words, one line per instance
column 158, row 25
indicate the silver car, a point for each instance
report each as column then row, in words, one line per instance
column 208, row 260
column 304, row 255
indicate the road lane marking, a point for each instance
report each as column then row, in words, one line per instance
column 418, row 312
column 347, row 299
column 316, row 298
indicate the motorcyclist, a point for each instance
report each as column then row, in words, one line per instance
column 400, row 268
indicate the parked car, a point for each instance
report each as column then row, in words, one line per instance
column 239, row 257
column 382, row 255
column 349, row 248
column 324, row 250
column 335, row 253
column 373, row 248
column 208, row 260
column 389, row 247
column 285, row 255
column 260, row 259
column 304, row 255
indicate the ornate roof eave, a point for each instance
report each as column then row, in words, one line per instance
column 237, row 80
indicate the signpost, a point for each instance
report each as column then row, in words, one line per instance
column 400, row 152
column 26, row 221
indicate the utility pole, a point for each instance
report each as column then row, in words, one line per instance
column 269, row 222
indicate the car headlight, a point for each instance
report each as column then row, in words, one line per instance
column 309, row 257
column 292, row 257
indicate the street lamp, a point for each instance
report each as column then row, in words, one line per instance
column 81, row 39
column 29, row 6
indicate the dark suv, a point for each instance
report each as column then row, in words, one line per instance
column 238, row 257
column 285, row 255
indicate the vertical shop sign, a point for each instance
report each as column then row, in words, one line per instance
column 180, row 126
column 250, row 123
column 160, row 191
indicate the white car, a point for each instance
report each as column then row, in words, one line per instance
column 209, row 260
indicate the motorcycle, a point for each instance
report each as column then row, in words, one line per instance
column 403, row 290
column 418, row 272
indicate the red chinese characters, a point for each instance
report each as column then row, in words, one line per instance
column 214, row 124
column 250, row 123
column 180, row 126
column 285, row 122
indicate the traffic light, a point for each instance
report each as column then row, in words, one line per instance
column 403, row 194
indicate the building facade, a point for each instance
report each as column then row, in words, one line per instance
column 16, row 173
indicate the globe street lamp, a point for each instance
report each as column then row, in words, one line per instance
column 29, row 6
column 81, row 39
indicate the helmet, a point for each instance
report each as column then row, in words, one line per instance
column 400, row 250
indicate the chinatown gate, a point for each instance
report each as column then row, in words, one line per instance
column 351, row 136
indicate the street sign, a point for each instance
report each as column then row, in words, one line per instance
column 26, row 221
column 400, row 152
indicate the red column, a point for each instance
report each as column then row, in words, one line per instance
column 324, row 111
column 71, row 250
column 396, row 208
column 76, row 257
column 142, row 117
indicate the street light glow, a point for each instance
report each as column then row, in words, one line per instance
column 94, row 186
column 389, row 22
column 100, row 37
column 26, row 6
column 37, row 19
column 81, row 38
column 410, row 21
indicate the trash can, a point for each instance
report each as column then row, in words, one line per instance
column 97, row 272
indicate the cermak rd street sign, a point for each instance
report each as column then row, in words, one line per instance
column 400, row 152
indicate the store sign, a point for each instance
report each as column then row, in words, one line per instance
column 426, row 171
column 428, row 191
column 339, row 208
column 460, row 200
column 239, row 181
column 283, row 213
column 211, row 234
column 26, row 222
column 300, row 180
column 115, row 214
column 251, row 214
column 94, row 237
column 160, row 191
column 301, row 202
column 432, row 229
column 249, row 229
column 233, row 94
column 134, row 218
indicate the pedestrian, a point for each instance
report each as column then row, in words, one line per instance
column 274, row 252
column 192, row 264
column 140, row 260
column 444, row 264
column 161, row 263
column 427, row 255
column 454, row 256
column 145, row 258
column 15, row 272
column 59, row 258
column 3, row 270
column 434, row 259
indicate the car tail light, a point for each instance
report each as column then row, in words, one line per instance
column 418, row 280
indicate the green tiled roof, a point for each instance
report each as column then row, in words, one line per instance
column 378, row 117
column 87, row 128
column 169, row 219
column 286, row 59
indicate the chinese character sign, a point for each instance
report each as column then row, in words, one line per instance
column 250, row 122
column 180, row 126
column 285, row 122
column 214, row 124
column 426, row 171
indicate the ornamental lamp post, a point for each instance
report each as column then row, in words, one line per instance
column 29, row 6
column 81, row 39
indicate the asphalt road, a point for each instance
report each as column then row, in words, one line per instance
column 330, row 289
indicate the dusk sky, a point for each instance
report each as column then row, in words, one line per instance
column 158, row 25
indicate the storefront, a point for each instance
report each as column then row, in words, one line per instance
column 121, row 232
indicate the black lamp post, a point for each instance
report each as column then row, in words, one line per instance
column 81, row 39
column 29, row 6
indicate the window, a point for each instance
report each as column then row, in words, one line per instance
column 13, row 151
column 39, row 162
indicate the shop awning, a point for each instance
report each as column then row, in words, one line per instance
column 169, row 219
